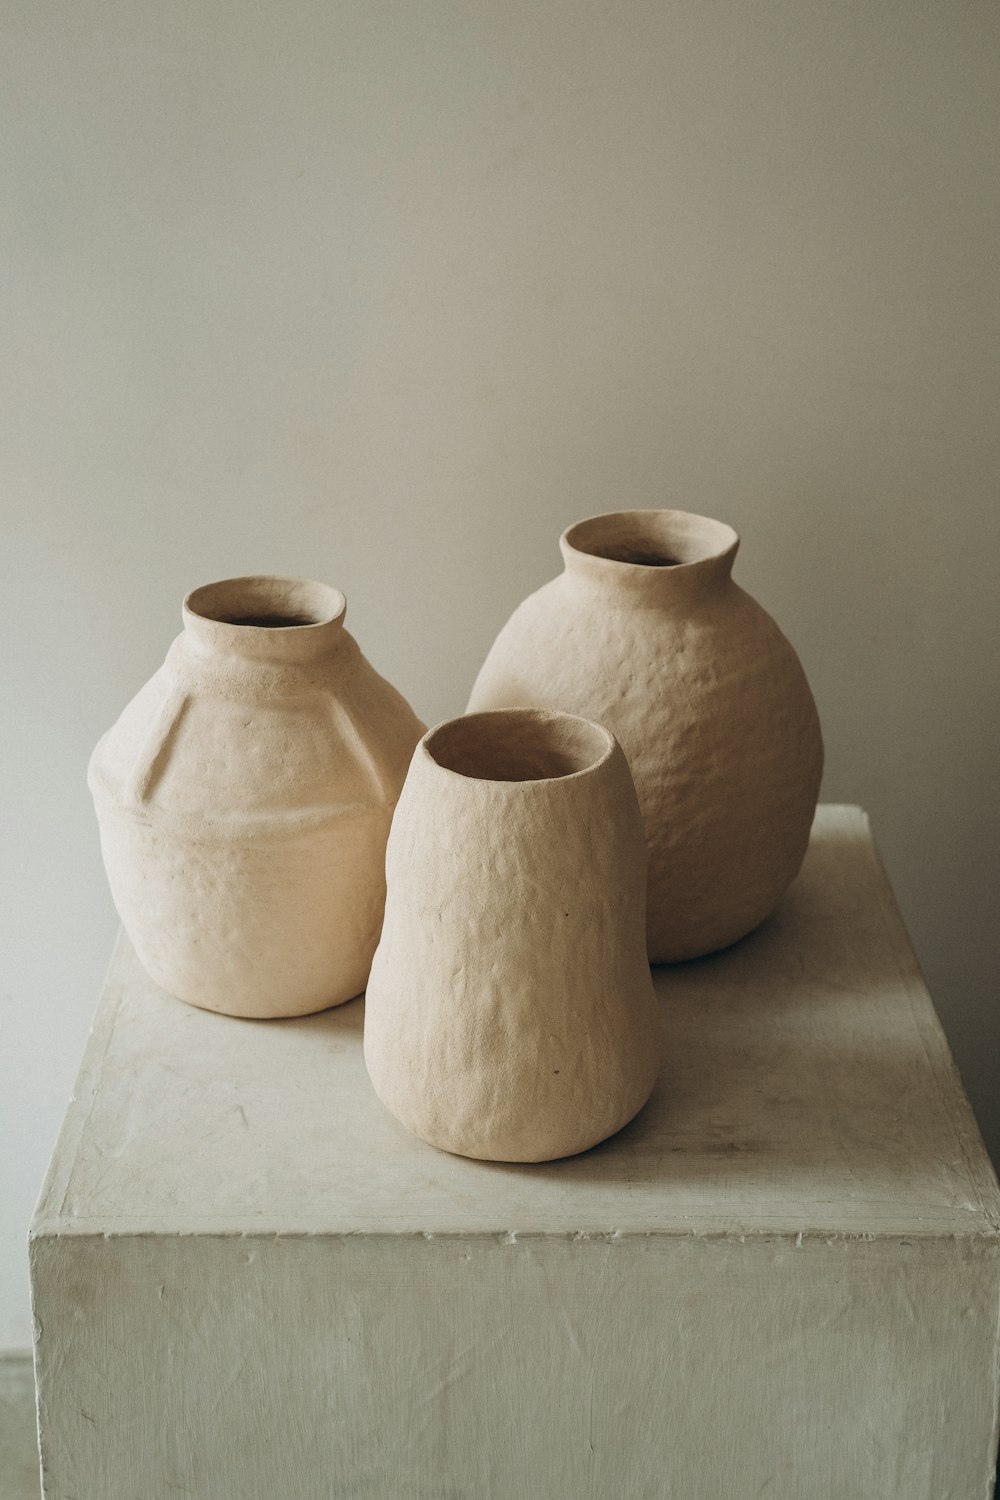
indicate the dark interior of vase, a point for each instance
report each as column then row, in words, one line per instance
column 517, row 745
column 638, row 556
column 269, row 622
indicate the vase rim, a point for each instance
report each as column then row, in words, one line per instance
column 267, row 616
column 650, row 544
column 502, row 747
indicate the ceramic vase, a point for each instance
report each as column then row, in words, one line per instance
column 510, row 1014
column 646, row 632
column 244, row 800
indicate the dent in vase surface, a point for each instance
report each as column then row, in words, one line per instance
column 510, row 1013
column 244, row 799
column 646, row 632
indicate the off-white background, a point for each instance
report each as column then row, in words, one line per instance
column 388, row 292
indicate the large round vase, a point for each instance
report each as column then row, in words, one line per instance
column 646, row 632
column 510, row 1013
column 244, row 799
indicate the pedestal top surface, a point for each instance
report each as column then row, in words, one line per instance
column 806, row 1089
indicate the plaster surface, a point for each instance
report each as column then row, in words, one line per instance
column 806, row 1087
column 782, row 1278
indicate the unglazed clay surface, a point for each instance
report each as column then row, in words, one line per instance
column 647, row 633
column 244, row 798
column 510, row 1014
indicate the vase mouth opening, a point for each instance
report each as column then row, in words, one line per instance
column 519, row 745
column 267, row 603
column 267, row 617
column 651, row 541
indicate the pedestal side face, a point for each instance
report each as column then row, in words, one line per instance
column 806, row 1087
column 397, row 1367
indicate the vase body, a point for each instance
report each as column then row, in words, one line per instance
column 646, row 632
column 244, row 800
column 510, row 1013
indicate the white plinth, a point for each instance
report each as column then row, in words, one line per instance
column 782, row 1280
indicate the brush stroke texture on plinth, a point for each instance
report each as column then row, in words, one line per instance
column 646, row 632
column 510, row 1014
column 244, row 798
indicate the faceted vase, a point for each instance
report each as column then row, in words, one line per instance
column 646, row 632
column 510, row 1012
column 244, row 800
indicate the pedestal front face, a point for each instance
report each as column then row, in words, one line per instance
column 782, row 1279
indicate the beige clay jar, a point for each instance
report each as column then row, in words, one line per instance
column 510, row 1014
column 244, row 800
column 646, row 632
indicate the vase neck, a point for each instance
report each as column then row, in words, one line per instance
column 660, row 557
column 272, row 619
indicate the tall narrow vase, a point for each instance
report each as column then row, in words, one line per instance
column 244, row 800
column 646, row 632
column 510, row 1013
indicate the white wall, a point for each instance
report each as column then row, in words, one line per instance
column 387, row 292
